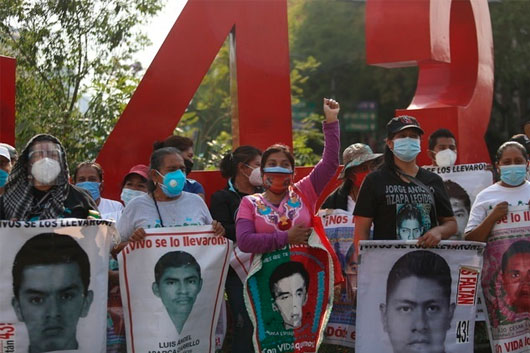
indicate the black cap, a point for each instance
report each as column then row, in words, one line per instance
column 400, row 123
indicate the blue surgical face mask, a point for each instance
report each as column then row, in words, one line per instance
column 3, row 177
column 280, row 170
column 92, row 187
column 129, row 194
column 173, row 183
column 406, row 149
column 513, row 175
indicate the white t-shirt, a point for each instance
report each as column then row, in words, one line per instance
column 493, row 195
column 187, row 210
column 110, row 209
column 351, row 205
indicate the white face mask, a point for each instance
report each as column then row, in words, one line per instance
column 255, row 177
column 446, row 158
column 46, row 170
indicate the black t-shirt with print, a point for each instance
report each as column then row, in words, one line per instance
column 401, row 210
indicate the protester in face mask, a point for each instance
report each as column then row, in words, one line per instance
column 38, row 186
column 89, row 176
column 512, row 189
column 5, row 167
column 242, row 169
column 283, row 213
column 442, row 148
column 134, row 183
column 13, row 155
column 359, row 160
column 185, row 146
column 400, row 182
column 166, row 205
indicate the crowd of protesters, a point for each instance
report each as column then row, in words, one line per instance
column 261, row 208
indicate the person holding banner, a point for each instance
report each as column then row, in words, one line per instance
column 38, row 186
column 283, row 214
column 242, row 168
column 512, row 189
column 401, row 182
column 167, row 205
column 89, row 176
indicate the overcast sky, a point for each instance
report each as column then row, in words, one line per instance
column 158, row 29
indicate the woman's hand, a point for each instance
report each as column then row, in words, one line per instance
column 499, row 211
column 331, row 110
column 298, row 234
column 138, row 235
column 431, row 238
column 218, row 228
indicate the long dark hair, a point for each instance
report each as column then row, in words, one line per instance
column 388, row 160
column 242, row 154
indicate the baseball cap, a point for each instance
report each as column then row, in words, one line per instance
column 4, row 152
column 357, row 154
column 140, row 169
column 400, row 123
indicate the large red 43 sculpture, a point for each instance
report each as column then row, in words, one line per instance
column 450, row 41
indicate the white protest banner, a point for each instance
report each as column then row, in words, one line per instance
column 53, row 285
column 339, row 228
column 506, row 282
column 172, row 289
column 414, row 299
column 463, row 182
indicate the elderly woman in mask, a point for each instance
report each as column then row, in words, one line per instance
column 38, row 186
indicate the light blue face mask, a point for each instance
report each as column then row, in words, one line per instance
column 3, row 177
column 513, row 175
column 406, row 149
column 129, row 194
column 280, row 170
column 173, row 183
column 92, row 187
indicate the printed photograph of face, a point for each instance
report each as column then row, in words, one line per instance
column 409, row 222
column 516, row 276
column 177, row 283
column 288, row 286
column 418, row 309
column 461, row 205
column 51, row 277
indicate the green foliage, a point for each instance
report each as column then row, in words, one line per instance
column 511, row 99
column 75, row 71
column 208, row 117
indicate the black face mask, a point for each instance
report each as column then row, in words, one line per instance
column 189, row 166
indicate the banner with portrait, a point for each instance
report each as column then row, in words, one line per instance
column 172, row 289
column 339, row 228
column 288, row 294
column 415, row 299
column 53, row 285
column 463, row 182
column 506, row 282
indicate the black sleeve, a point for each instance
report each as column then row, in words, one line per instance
column 366, row 205
column 220, row 211
column 78, row 203
column 443, row 204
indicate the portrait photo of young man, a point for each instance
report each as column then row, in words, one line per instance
column 51, row 277
column 177, row 283
column 417, row 312
column 288, row 286
column 516, row 275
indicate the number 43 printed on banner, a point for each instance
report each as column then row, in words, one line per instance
column 462, row 332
